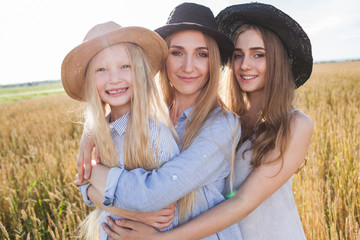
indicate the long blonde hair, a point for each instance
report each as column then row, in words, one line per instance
column 206, row 103
column 146, row 103
column 272, row 125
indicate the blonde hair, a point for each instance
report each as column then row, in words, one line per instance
column 272, row 125
column 146, row 103
column 206, row 103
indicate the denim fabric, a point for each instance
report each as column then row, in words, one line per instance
column 202, row 167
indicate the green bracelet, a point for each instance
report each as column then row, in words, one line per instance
column 230, row 195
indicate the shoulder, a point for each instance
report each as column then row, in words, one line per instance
column 222, row 123
column 300, row 122
column 157, row 127
column 223, row 116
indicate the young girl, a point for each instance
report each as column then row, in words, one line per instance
column 115, row 66
column 207, row 132
column 272, row 57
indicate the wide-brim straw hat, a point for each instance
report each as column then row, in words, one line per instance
column 191, row 16
column 294, row 38
column 73, row 69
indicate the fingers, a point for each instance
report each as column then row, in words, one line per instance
column 97, row 155
column 171, row 206
column 80, row 166
column 114, row 230
column 136, row 230
column 87, row 161
column 113, row 235
column 78, row 182
column 165, row 212
column 163, row 224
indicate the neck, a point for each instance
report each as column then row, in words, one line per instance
column 117, row 113
column 252, row 114
column 181, row 103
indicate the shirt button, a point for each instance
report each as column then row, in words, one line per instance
column 111, row 127
column 176, row 126
column 174, row 177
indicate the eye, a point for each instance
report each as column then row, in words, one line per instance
column 176, row 53
column 238, row 55
column 259, row 55
column 100, row 69
column 203, row 54
column 125, row 66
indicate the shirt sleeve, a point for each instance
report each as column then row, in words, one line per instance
column 204, row 161
column 83, row 191
column 162, row 143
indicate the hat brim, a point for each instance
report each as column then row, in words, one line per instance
column 289, row 31
column 73, row 69
column 225, row 45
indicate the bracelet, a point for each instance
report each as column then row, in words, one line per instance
column 230, row 195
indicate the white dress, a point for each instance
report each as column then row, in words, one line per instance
column 277, row 217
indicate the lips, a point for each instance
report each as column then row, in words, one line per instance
column 248, row 77
column 116, row 91
column 188, row 79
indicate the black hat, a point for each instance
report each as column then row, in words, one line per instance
column 191, row 16
column 295, row 40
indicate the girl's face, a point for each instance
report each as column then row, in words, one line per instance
column 187, row 65
column 113, row 78
column 249, row 63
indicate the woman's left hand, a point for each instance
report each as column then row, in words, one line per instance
column 125, row 229
column 78, row 182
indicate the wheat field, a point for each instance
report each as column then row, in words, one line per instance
column 39, row 140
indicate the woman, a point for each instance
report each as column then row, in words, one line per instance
column 272, row 57
column 207, row 133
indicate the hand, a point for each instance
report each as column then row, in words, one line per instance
column 127, row 229
column 87, row 144
column 78, row 183
column 160, row 219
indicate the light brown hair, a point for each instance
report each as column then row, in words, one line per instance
column 206, row 103
column 272, row 125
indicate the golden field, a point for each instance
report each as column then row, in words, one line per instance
column 39, row 140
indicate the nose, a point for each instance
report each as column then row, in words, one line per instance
column 115, row 76
column 188, row 64
column 245, row 63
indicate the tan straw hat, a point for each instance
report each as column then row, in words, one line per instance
column 103, row 35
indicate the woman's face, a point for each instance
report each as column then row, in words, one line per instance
column 249, row 63
column 113, row 78
column 187, row 65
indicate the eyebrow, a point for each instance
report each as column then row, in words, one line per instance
column 181, row 47
column 253, row 48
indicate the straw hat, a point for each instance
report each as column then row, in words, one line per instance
column 103, row 35
column 294, row 38
column 191, row 16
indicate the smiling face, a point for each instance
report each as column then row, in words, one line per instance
column 249, row 63
column 187, row 65
column 113, row 78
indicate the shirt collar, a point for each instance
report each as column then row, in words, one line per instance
column 119, row 125
column 185, row 114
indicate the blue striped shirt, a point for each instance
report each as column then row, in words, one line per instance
column 203, row 167
column 163, row 145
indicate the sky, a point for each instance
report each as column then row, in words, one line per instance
column 36, row 35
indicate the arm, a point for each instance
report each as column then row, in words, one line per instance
column 87, row 144
column 160, row 219
column 205, row 160
column 248, row 197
